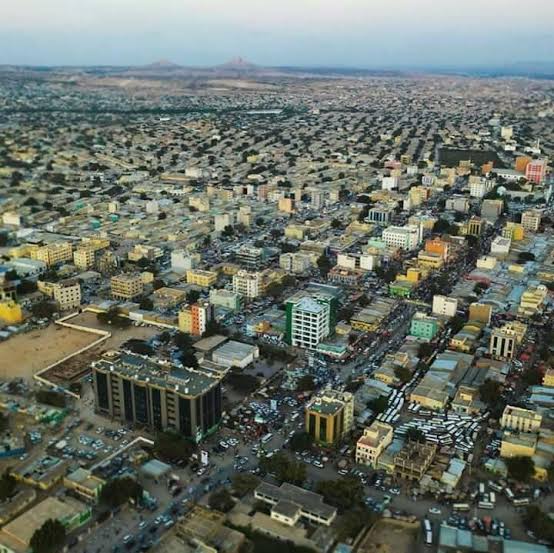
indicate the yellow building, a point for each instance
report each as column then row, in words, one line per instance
column 295, row 232
column 548, row 379
column 413, row 274
column 372, row 443
column 518, row 444
column 84, row 484
column 522, row 420
column 126, row 286
column 201, row 277
column 329, row 416
column 514, row 231
column 52, row 254
column 480, row 312
column 286, row 205
column 532, row 300
column 430, row 260
column 10, row 312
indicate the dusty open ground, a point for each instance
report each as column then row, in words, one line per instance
column 26, row 354
column 390, row 536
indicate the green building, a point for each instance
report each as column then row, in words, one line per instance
column 423, row 326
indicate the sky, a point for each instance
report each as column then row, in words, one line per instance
column 351, row 33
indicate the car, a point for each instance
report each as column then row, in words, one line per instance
column 434, row 511
column 142, row 524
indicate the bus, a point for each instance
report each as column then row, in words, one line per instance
column 492, row 497
column 521, row 502
column 494, row 486
column 509, row 494
column 427, row 525
column 485, row 505
column 461, row 507
column 267, row 438
column 428, row 538
column 481, row 488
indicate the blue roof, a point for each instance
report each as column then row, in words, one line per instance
column 514, row 546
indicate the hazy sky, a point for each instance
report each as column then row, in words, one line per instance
column 364, row 33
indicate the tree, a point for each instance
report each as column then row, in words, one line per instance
column 456, row 324
column 284, row 469
column 415, row 435
column 489, row 391
column 8, row 485
column 305, row 383
column 158, row 283
column 336, row 224
column 172, row 447
column 274, row 289
column 49, row 538
column 300, row 441
column 550, row 472
column 403, row 374
column 344, row 493
column 44, row 309
column 120, row 490
column 378, row 405
column 50, row 397
column 442, row 225
column 212, row 328
column 538, row 522
column 425, row 350
column 351, row 522
column 324, row 265
column 221, row 500
column 243, row 484
column 182, row 340
column 525, row 256
column 147, row 304
column 113, row 317
column 241, row 382
column 193, row 296
column 520, row 468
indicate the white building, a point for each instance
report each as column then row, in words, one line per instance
column 501, row 246
column 346, row 261
column 309, row 323
column 443, row 305
column 407, row 238
column 247, row 284
column 531, row 220
column 296, row 262
column 223, row 220
column 389, row 183
column 152, row 206
column 369, row 262
column 480, row 186
column 183, row 261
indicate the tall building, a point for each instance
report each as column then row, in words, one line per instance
column 201, row 277
column 522, row 420
column 250, row 257
column 531, row 220
column 505, row 340
column 136, row 390
column 66, row 293
column 443, row 305
column 52, row 254
column 307, row 322
column 407, row 238
column 193, row 319
column 373, row 442
column 535, row 171
column 248, row 285
column 126, row 286
column 329, row 416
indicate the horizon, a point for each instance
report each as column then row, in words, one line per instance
column 387, row 34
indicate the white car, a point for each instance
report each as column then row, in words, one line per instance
column 434, row 511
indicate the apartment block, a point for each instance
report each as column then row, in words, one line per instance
column 373, row 442
column 531, row 220
column 521, row 420
column 329, row 416
column 193, row 319
column 443, row 305
column 307, row 322
column 248, row 285
column 126, row 286
column 52, row 254
column 407, row 238
column 201, row 277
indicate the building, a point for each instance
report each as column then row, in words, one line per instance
column 250, row 257
column 521, row 420
column 307, row 322
column 66, row 293
column 532, row 300
column 248, row 285
column 535, row 171
column 407, row 238
column 500, row 246
column 15, row 536
column 480, row 186
column 52, row 254
column 84, row 484
column 235, row 354
column 126, row 286
column 531, row 220
column 290, row 503
column 371, row 444
column 474, row 227
column 445, row 306
column 329, row 416
column 193, row 319
column 225, row 298
column 370, row 318
column 10, row 312
column 513, row 231
column 423, row 326
column 42, row 472
column 491, row 209
column 183, row 261
column 84, row 258
column 138, row 391
column 296, row 263
column 413, row 460
column 480, row 313
column 505, row 340
column 518, row 444
column 202, row 278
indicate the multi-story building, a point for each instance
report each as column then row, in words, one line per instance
column 10, row 312
column 491, row 209
column 513, row 231
column 138, row 391
column 443, row 305
column 183, row 261
column 518, row 444
column 505, row 340
column 201, row 277
column 423, row 326
column 307, row 322
column 535, row 171
column 329, row 416
column 521, row 420
column 407, row 238
column 225, row 298
column 413, row 460
column 52, row 254
column 532, row 300
column 248, row 285
column 66, row 293
column 250, row 257
column 480, row 313
column 373, row 442
column 126, row 286
column 296, row 263
column 531, row 220
column 84, row 258
column 193, row 319
column 480, row 186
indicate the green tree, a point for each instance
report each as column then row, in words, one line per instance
column 49, row 538
column 284, row 468
column 415, row 435
column 171, row 446
column 539, row 522
column 324, row 265
column 147, row 304
column 442, row 225
column 44, row 309
column 425, row 350
column 403, row 374
column 244, row 483
column 158, row 283
column 8, row 485
column 489, row 392
column 120, row 490
column 520, row 468
column 378, row 405
column 193, row 296
column 351, row 522
column 221, row 500
column 344, row 493
column 50, row 397
column 305, row 383
column 336, row 224
column 300, row 441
